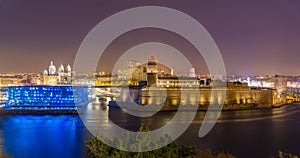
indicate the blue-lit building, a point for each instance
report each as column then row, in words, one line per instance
column 47, row 97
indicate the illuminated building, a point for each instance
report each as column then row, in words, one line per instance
column 238, row 95
column 54, row 77
column 9, row 80
column 181, row 82
column 192, row 72
column 133, row 72
column 52, row 69
column 46, row 97
column 281, row 85
column 3, row 95
column 152, row 73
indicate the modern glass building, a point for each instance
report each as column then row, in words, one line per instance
column 47, row 97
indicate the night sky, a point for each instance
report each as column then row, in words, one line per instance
column 255, row 37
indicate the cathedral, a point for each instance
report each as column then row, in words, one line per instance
column 54, row 76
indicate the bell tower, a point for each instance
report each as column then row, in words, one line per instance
column 152, row 73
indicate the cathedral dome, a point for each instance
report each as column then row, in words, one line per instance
column 45, row 72
column 52, row 69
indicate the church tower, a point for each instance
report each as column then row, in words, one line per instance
column 69, row 70
column 152, row 73
column 52, row 69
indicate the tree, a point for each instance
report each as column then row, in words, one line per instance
column 97, row 149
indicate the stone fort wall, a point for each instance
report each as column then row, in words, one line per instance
column 172, row 97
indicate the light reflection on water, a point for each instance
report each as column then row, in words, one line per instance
column 255, row 133
column 43, row 136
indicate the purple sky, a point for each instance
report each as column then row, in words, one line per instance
column 254, row 37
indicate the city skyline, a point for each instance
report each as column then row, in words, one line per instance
column 254, row 37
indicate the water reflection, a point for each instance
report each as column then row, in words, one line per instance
column 43, row 136
column 254, row 133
